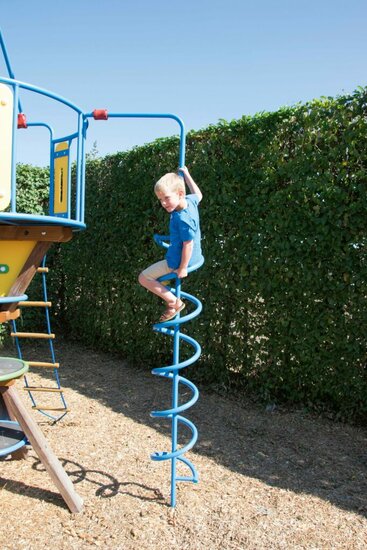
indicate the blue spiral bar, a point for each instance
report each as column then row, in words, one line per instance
column 172, row 328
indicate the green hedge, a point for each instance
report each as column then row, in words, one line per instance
column 284, row 237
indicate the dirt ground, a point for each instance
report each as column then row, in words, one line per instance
column 268, row 479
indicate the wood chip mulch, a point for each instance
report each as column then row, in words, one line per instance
column 269, row 479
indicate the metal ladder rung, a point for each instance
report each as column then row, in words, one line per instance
column 42, row 269
column 62, row 409
column 32, row 335
column 44, row 389
column 35, row 304
column 42, row 364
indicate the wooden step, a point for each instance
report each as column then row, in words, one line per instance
column 61, row 409
column 42, row 388
column 35, row 304
column 42, row 269
column 32, row 335
column 42, row 364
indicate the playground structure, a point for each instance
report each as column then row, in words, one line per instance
column 24, row 241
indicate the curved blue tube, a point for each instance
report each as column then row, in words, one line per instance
column 172, row 329
column 15, row 218
column 155, row 115
column 19, row 437
column 166, row 456
column 12, row 82
column 13, row 299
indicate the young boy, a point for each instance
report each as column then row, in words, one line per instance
column 185, row 238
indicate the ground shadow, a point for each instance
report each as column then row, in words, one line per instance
column 107, row 485
column 283, row 449
column 37, row 493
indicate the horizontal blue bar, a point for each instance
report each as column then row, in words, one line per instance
column 13, row 218
column 13, row 299
column 64, row 153
column 142, row 115
column 66, row 138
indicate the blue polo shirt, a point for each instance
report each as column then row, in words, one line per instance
column 184, row 226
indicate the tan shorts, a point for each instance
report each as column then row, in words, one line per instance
column 157, row 270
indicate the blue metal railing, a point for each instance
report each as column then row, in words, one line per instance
column 156, row 115
column 78, row 221
column 79, row 136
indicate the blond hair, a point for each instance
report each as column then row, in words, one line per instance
column 170, row 182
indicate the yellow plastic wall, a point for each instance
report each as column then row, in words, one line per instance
column 13, row 254
column 6, row 132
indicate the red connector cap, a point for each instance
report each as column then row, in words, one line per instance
column 100, row 114
column 22, row 120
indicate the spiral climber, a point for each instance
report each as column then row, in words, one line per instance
column 172, row 328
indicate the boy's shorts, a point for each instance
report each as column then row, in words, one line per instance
column 154, row 271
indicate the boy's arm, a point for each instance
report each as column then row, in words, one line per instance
column 187, row 247
column 190, row 183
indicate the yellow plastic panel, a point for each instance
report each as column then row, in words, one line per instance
column 6, row 132
column 13, row 256
column 61, row 171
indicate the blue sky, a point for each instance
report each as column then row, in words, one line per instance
column 203, row 60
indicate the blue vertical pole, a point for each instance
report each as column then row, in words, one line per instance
column 182, row 144
column 69, row 182
column 52, row 175
column 82, row 190
column 8, row 66
column 175, row 387
column 79, row 155
column 13, row 151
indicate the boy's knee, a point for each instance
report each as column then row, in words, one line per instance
column 143, row 280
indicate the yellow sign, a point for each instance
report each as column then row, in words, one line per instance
column 6, row 133
column 61, row 175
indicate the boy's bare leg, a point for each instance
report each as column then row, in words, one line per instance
column 158, row 289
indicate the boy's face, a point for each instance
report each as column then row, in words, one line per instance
column 170, row 200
